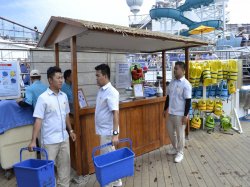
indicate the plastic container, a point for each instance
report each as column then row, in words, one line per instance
column 34, row 172
column 114, row 165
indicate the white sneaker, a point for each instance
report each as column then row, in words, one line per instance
column 117, row 183
column 171, row 151
column 178, row 158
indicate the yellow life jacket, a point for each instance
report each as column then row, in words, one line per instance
column 194, row 105
column 198, row 75
column 209, row 105
column 214, row 71
column 196, row 122
column 233, row 70
column 192, row 74
column 220, row 71
column 202, row 104
column 231, row 88
column 218, row 107
column 206, row 74
column 225, row 70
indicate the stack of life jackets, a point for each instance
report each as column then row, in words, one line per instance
column 196, row 122
column 210, row 123
column 225, row 122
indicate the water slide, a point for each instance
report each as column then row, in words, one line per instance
column 177, row 14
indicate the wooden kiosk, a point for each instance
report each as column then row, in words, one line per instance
column 140, row 120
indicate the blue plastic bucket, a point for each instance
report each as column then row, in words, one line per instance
column 114, row 165
column 34, row 172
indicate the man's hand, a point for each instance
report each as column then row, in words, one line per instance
column 184, row 120
column 115, row 140
column 164, row 113
column 31, row 145
column 73, row 136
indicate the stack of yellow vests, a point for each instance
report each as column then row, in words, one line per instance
column 232, row 71
column 218, row 107
column 206, row 74
column 202, row 105
column 220, row 71
column 195, row 74
column 194, row 105
column 213, row 72
column 209, row 105
column 196, row 122
column 232, row 75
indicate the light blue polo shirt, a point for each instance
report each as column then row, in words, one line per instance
column 52, row 109
column 33, row 91
column 106, row 102
column 178, row 91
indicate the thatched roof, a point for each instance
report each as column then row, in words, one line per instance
column 109, row 37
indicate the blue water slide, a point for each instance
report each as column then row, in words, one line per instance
column 194, row 4
column 177, row 15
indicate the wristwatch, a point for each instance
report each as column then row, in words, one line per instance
column 115, row 132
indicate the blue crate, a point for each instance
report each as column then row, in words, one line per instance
column 114, row 165
column 34, row 172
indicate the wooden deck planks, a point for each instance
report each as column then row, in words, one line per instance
column 210, row 160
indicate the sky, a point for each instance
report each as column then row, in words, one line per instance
column 38, row 12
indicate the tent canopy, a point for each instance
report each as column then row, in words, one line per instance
column 107, row 37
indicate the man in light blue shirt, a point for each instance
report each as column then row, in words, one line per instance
column 67, row 88
column 33, row 91
column 177, row 106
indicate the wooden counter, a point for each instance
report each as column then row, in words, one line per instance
column 140, row 120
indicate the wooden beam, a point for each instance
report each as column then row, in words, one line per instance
column 56, row 32
column 187, row 63
column 76, row 105
column 164, row 72
column 187, row 130
column 56, row 48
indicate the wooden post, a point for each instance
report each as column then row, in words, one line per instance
column 187, row 63
column 77, row 128
column 164, row 72
column 56, row 48
column 187, row 77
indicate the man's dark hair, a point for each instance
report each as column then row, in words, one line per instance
column 104, row 69
column 66, row 74
column 52, row 71
column 181, row 64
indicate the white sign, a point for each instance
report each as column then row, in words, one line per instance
column 9, row 80
column 138, row 90
column 123, row 75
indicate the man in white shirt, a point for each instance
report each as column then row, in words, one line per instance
column 177, row 105
column 52, row 118
column 107, row 112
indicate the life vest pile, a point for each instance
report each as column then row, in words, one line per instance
column 209, row 105
column 225, row 122
column 213, row 72
column 202, row 105
column 218, row 107
column 210, row 123
column 196, row 122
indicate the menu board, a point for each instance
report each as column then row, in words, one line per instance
column 123, row 75
column 9, row 80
